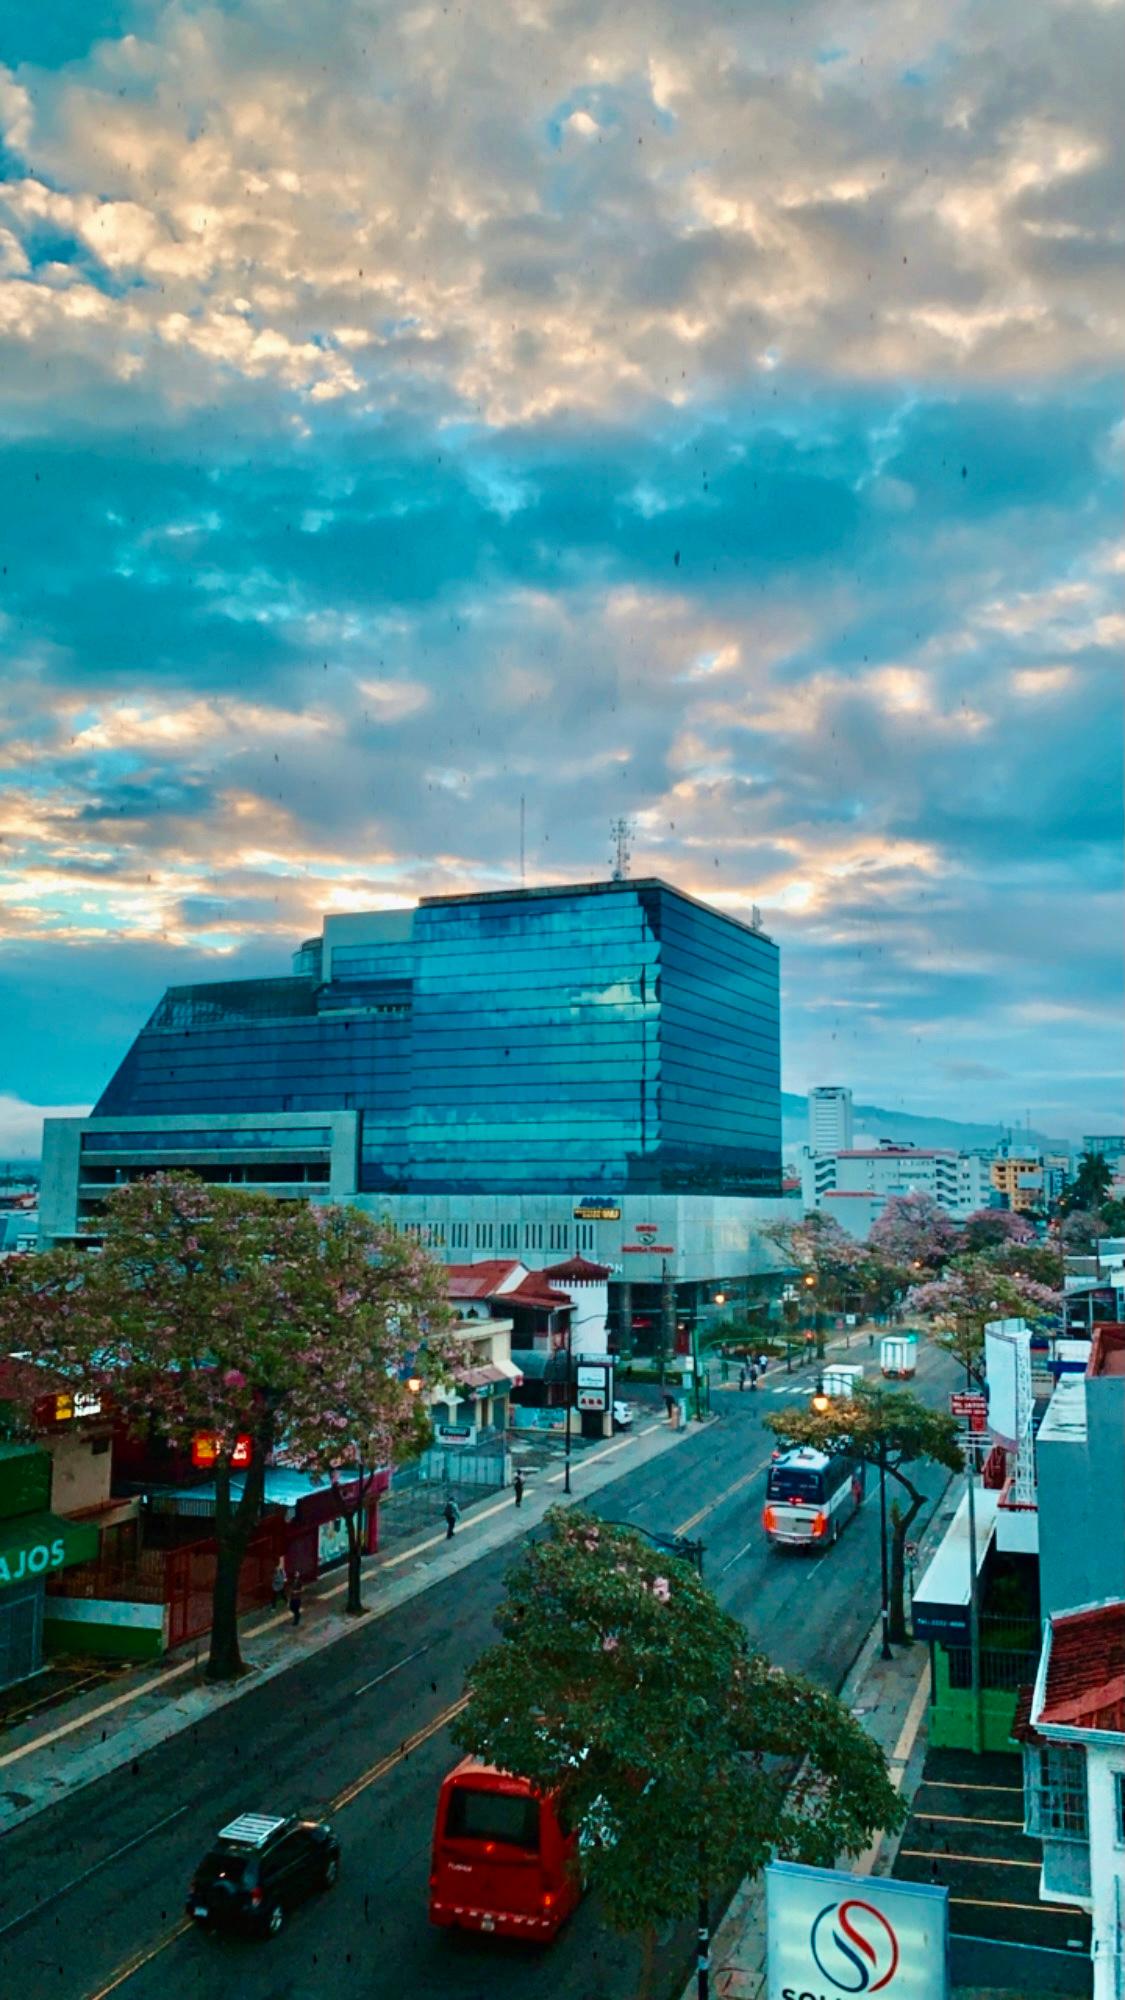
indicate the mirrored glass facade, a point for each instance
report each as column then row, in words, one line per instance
column 603, row 1038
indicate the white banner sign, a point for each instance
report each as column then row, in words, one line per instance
column 833, row 1936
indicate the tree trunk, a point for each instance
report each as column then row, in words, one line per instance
column 648, row 1963
column 900, row 1527
column 233, row 1527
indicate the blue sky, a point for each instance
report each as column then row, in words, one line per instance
column 712, row 420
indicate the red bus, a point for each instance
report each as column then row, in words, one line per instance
column 501, row 1861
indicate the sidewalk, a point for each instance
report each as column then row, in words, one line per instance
column 53, row 1757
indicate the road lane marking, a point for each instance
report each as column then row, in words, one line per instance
column 344, row 1798
column 701, row 1514
column 140, row 1959
column 742, row 1551
column 978, row 1860
column 388, row 1671
column 405, row 1749
column 910, row 1727
column 76, row 1882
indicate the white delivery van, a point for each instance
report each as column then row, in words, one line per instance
column 898, row 1356
column 840, row 1380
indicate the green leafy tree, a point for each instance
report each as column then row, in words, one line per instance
column 211, row 1311
column 1090, row 1186
column 621, row 1687
column 973, row 1291
column 1041, row 1262
column 992, row 1228
column 1113, row 1218
column 1079, row 1230
column 889, row 1429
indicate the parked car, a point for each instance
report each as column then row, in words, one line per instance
column 622, row 1416
column 259, row 1868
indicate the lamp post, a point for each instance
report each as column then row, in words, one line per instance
column 569, row 1399
column 886, row 1582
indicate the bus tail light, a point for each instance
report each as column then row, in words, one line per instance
column 820, row 1524
column 769, row 1520
column 548, row 1899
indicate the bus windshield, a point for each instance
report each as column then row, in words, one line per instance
column 509, row 1817
column 795, row 1482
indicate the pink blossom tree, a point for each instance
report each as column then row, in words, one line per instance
column 915, row 1233
column 218, row 1313
column 972, row 1292
column 992, row 1228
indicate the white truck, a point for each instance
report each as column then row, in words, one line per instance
column 841, row 1379
column 898, row 1356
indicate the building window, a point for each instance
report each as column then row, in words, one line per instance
column 458, row 1235
column 559, row 1236
column 435, row 1235
column 484, row 1236
column 509, row 1235
column 533, row 1236
column 1119, row 1806
column 1059, row 1807
column 584, row 1235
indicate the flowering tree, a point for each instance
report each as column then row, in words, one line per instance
column 620, row 1687
column 991, row 1228
column 1080, row 1230
column 915, row 1233
column 215, row 1313
column 889, row 1429
column 973, row 1291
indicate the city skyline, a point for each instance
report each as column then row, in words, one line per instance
column 714, row 425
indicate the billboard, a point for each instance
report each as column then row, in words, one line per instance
column 832, row 1936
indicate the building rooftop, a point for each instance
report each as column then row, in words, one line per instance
column 578, row 1271
column 590, row 889
column 1084, row 1686
column 1107, row 1348
column 504, row 1278
column 1065, row 1419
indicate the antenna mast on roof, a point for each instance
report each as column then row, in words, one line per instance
column 622, row 832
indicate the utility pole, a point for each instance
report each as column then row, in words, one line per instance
column 974, row 1601
column 569, row 1400
column 886, row 1582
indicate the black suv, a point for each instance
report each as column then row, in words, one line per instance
column 259, row 1868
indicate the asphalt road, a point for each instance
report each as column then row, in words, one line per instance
column 92, row 1891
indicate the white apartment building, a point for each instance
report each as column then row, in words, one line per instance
column 830, row 1118
column 833, row 1181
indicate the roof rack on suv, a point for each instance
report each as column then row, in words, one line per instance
column 250, row 1830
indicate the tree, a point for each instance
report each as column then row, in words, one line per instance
column 915, row 1233
column 825, row 1258
column 992, row 1228
column 973, row 1291
column 620, row 1687
column 889, row 1429
column 1090, row 1186
column 1041, row 1262
column 1079, row 1230
column 218, row 1314
column 1113, row 1218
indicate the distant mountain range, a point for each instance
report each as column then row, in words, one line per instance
column 873, row 1122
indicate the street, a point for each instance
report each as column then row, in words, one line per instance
column 93, row 1889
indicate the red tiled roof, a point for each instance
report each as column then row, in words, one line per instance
column 1022, row 1731
column 480, row 1281
column 1086, row 1670
column 579, row 1269
column 535, row 1291
column 1107, row 1348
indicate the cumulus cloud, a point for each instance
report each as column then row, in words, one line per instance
column 707, row 418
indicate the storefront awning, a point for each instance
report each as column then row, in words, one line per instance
column 479, row 1378
column 34, row 1545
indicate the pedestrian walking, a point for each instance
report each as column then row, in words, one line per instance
column 280, row 1583
column 517, row 1488
column 669, row 1404
column 742, row 1378
column 762, row 1360
column 296, row 1590
column 452, row 1513
column 753, row 1375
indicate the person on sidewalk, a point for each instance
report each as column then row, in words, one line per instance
column 452, row 1513
column 517, row 1488
column 280, row 1584
column 753, row 1374
column 742, row 1378
column 296, row 1591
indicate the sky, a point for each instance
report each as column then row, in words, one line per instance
column 705, row 415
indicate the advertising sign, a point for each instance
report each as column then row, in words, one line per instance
column 972, row 1408
column 594, row 1212
column 205, row 1449
column 649, row 1249
column 590, row 1377
column 592, row 1399
column 833, row 1936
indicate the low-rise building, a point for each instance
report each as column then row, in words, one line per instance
column 1018, row 1180
column 836, row 1182
column 1073, row 1732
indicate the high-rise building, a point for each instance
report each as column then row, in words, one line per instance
column 1111, row 1145
column 590, row 1069
column 830, row 1118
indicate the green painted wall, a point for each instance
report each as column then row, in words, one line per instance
column 951, row 1713
column 102, row 1642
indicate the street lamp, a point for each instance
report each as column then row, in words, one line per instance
column 569, row 1398
column 820, row 1401
column 886, row 1582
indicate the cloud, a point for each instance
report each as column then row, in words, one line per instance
column 410, row 414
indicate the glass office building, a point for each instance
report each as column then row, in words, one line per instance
column 603, row 1039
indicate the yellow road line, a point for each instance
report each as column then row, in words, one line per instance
column 964, row 1819
column 1040, row 1909
column 405, row 1749
column 693, row 1520
column 141, row 1958
column 901, row 1752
